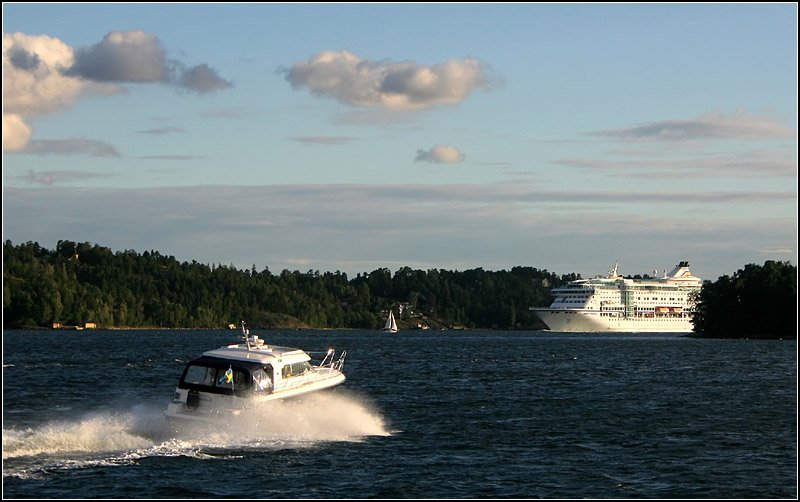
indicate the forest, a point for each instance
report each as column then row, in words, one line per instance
column 758, row 301
column 83, row 282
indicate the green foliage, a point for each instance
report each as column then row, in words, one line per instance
column 80, row 282
column 757, row 302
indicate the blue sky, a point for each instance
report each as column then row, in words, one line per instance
column 356, row 136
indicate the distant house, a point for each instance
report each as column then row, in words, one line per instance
column 57, row 325
column 90, row 325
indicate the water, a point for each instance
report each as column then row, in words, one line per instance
column 455, row 414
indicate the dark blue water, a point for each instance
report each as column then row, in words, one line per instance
column 451, row 414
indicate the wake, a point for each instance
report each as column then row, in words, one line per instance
column 125, row 437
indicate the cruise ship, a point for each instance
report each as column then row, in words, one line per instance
column 617, row 304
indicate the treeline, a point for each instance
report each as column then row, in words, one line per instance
column 83, row 282
column 756, row 302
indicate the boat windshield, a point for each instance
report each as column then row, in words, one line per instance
column 226, row 378
column 295, row 369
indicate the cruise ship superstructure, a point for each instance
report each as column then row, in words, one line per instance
column 618, row 304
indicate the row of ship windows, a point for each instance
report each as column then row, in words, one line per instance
column 580, row 299
column 647, row 317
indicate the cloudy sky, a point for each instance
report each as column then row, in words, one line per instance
column 357, row 136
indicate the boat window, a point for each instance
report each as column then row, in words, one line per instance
column 200, row 375
column 213, row 377
column 262, row 379
column 300, row 368
column 239, row 379
column 295, row 369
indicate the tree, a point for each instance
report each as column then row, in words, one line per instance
column 756, row 302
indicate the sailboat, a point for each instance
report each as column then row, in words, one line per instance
column 391, row 324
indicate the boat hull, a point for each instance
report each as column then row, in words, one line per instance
column 582, row 322
column 218, row 406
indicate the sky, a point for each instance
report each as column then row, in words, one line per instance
column 357, row 136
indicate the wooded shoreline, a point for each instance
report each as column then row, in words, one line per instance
column 79, row 284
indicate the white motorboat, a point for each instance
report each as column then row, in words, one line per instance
column 229, row 379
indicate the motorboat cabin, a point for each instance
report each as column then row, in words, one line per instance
column 235, row 376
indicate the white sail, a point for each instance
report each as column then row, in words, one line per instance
column 391, row 325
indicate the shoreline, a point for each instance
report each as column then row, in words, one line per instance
column 287, row 328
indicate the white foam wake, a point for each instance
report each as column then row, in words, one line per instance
column 314, row 418
column 101, row 433
column 124, row 437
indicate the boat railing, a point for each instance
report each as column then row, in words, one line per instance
column 331, row 361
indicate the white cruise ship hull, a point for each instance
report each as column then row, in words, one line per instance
column 617, row 304
column 585, row 322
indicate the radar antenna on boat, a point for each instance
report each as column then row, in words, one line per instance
column 253, row 342
column 246, row 335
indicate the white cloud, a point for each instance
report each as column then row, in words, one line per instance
column 43, row 75
column 440, row 154
column 16, row 133
column 402, row 86
column 33, row 83
column 32, row 79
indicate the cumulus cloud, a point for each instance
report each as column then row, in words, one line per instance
column 716, row 125
column 24, row 60
column 43, row 75
column 132, row 56
column 202, row 79
column 440, row 154
column 398, row 86
column 16, row 133
column 33, row 84
column 137, row 56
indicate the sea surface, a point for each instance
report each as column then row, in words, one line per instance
column 423, row 414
